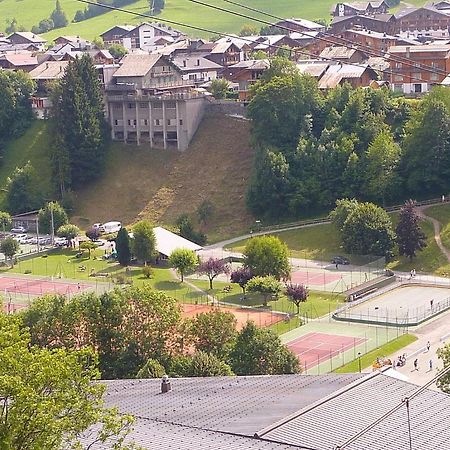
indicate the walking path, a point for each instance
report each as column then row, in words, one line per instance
column 437, row 231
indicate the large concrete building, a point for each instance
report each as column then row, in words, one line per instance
column 149, row 102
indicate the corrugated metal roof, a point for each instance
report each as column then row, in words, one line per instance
column 340, row 417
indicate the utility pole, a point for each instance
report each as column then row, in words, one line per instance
column 52, row 223
column 37, row 233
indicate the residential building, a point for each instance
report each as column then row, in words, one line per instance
column 360, row 8
column 357, row 76
column 245, row 73
column 26, row 37
column 382, row 23
column 376, row 42
column 341, row 53
column 75, row 41
column 148, row 101
column 25, row 61
column 271, row 44
column 299, row 25
column 196, row 68
column 227, row 51
column 411, row 78
column 280, row 412
column 115, row 34
column 146, row 36
column 425, row 21
column 43, row 74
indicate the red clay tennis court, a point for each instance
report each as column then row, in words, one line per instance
column 315, row 348
column 32, row 286
column 314, row 278
column 243, row 315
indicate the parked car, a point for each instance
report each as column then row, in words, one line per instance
column 340, row 260
column 110, row 227
column 18, row 230
column 18, row 237
column 61, row 242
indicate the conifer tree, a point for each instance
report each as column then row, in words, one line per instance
column 410, row 237
column 81, row 133
column 123, row 247
column 59, row 16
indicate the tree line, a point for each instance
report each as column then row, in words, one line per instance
column 314, row 148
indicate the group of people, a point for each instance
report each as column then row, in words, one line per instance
column 400, row 361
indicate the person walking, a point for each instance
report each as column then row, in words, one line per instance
column 416, row 364
column 431, row 365
column 428, row 346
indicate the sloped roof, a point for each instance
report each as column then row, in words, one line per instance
column 315, row 69
column 136, row 65
column 50, row 70
column 337, row 52
column 304, row 23
column 425, row 48
column 20, row 59
column 334, row 420
column 338, row 72
column 167, row 242
column 252, row 64
column 186, row 62
column 31, row 37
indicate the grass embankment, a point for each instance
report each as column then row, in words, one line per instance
column 391, row 348
column 442, row 214
column 32, row 146
column 159, row 185
column 319, row 242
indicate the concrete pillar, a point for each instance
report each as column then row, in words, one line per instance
column 178, row 125
column 150, row 121
column 125, row 120
column 138, row 124
column 164, row 123
column 111, row 117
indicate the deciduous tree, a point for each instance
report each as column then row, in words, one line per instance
column 259, row 351
column 89, row 246
column 68, row 231
column 9, row 247
column 183, row 261
column 267, row 255
column 241, row 276
column 60, row 217
column 297, row 294
column 21, row 193
column 144, row 241
column 269, row 287
column 212, row 268
column 5, row 220
column 410, row 237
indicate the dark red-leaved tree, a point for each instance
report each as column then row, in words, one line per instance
column 213, row 267
column 297, row 293
column 241, row 276
column 93, row 234
column 410, row 237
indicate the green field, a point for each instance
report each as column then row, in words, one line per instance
column 441, row 213
column 32, row 146
column 391, row 348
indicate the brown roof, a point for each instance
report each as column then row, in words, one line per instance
column 136, row 65
column 50, row 70
column 21, row 59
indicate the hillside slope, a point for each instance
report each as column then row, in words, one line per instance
column 159, row 185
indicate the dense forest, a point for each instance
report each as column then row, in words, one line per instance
column 314, row 148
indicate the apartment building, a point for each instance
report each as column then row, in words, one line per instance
column 426, row 21
column 149, row 102
column 413, row 79
column 364, row 8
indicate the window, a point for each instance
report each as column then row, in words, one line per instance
column 417, row 88
column 130, row 105
column 172, row 136
column 181, row 121
column 157, row 105
column 143, row 105
column 157, row 122
column 116, row 122
column 171, row 105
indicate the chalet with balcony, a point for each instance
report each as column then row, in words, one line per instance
column 245, row 73
column 227, row 52
column 381, row 23
column 360, row 8
column 426, row 22
column 196, row 68
column 413, row 79
column 25, row 37
column 149, row 102
column 115, row 34
column 25, row 61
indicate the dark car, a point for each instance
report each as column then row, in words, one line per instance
column 340, row 260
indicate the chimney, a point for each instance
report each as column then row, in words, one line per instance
column 165, row 384
column 198, row 62
column 184, row 63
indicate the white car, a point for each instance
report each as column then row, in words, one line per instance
column 60, row 242
column 19, row 237
column 18, row 230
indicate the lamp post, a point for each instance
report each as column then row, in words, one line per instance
column 359, row 361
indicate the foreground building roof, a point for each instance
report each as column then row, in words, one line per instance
column 280, row 412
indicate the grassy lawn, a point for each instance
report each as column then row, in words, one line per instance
column 317, row 305
column 32, row 146
column 319, row 242
column 63, row 262
column 385, row 350
column 442, row 213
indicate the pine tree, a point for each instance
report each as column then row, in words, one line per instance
column 410, row 237
column 123, row 247
column 81, row 133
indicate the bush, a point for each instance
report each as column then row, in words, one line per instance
column 147, row 271
column 122, row 278
column 151, row 369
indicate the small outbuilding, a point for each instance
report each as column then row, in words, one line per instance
column 167, row 242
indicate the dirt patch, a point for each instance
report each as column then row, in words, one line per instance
column 243, row 315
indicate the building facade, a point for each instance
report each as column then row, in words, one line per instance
column 149, row 102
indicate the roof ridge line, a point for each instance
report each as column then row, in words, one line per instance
column 259, row 434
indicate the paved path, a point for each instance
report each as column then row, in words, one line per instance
column 437, row 232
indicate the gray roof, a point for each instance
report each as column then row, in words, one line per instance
column 136, row 65
column 192, row 62
column 334, row 420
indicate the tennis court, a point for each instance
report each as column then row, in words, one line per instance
column 311, row 278
column 315, row 348
column 19, row 285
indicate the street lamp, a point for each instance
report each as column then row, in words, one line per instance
column 359, row 361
